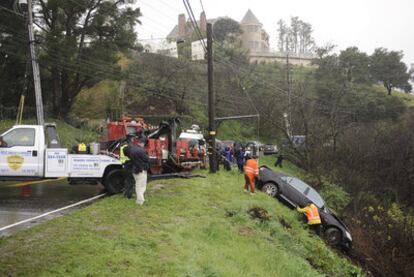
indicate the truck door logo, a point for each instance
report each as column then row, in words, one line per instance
column 15, row 162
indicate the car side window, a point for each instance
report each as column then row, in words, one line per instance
column 296, row 183
column 20, row 137
column 315, row 198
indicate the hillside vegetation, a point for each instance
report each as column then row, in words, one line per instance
column 196, row 227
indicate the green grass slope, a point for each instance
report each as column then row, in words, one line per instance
column 196, row 227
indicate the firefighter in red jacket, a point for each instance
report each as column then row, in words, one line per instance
column 251, row 171
column 312, row 215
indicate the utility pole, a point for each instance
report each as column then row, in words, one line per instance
column 211, row 102
column 35, row 65
column 287, row 125
column 289, row 87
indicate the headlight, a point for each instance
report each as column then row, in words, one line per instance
column 348, row 235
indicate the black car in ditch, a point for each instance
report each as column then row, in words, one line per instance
column 294, row 192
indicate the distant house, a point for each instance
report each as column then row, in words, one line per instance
column 161, row 47
column 184, row 30
column 254, row 38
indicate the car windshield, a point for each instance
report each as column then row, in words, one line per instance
column 315, row 198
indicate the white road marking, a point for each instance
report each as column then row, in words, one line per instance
column 52, row 212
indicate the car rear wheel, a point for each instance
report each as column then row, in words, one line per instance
column 270, row 189
column 333, row 236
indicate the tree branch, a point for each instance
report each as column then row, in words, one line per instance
column 45, row 12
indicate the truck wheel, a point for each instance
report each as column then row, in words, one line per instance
column 114, row 181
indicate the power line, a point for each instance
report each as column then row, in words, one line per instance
column 198, row 32
column 240, row 69
column 194, row 23
column 157, row 10
column 93, row 72
column 202, row 7
column 166, row 4
column 11, row 11
column 253, row 72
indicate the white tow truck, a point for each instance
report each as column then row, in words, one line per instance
column 29, row 152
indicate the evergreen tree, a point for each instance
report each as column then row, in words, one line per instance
column 13, row 56
column 82, row 43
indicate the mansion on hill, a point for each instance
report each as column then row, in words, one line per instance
column 254, row 38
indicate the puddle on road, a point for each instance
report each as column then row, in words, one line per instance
column 20, row 203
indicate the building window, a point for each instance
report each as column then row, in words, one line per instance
column 252, row 28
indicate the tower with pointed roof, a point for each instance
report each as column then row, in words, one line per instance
column 254, row 37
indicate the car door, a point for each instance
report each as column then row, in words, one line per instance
column 19, row 156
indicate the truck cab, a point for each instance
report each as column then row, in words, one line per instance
column 22, row 152
column 33, row 152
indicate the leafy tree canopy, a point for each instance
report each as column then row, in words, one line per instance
column 387, row 67
column 226, row 29
column 78, row 41
column 13, row 55
column 355, row 65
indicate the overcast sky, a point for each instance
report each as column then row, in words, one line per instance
column 367, row 24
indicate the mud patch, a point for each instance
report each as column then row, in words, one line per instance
column 245, row 231
column 259, row 213
column 231, row 213
column 314, row 264
column 157, row 187
column 284, row 223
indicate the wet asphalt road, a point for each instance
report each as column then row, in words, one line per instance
column 26, row 201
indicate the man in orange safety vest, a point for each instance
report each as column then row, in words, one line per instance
column 251, row 171
column 312, row 215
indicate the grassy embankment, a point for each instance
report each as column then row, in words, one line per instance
column 196, row 227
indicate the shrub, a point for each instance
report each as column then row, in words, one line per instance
column 335, row 196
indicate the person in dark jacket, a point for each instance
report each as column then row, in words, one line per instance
column 279, row 160
column 129, row 180
column 218, row 155
column 138, row 164
column 240, row 160
column 228, row 157
column 229, row 154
